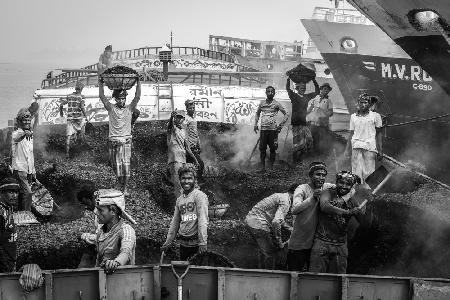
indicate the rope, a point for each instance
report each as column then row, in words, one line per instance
column 418, row 121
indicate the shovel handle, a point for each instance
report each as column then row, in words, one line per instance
column 162, row 257
column 382, row 183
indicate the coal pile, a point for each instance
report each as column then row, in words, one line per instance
column 408, row 237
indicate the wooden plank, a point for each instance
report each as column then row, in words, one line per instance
column 102, row 285
column 157, row 282
column 48, row 286
column 294, row 286
column 221, row 284
column 344, row 289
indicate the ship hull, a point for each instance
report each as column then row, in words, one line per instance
column 379, row 67
column 429, row 47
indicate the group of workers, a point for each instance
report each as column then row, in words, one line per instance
column 321, row 211
column 310, row 121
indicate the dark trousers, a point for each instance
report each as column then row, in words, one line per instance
column 187, row 252
column 201, row 164
column 298, row 260
column 268, row 138
column 322, row 141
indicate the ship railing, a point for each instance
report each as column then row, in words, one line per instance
column 66, row 78
column 340, row 15
column 240, row 78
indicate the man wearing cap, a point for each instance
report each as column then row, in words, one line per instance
column 329, row 252
column 9, row 191
column 301, row 134
column 116, row 240
column 265, row 221
column 190, row 219
column 365, row 142
column 305, row 209
column 105, row 61
column 76, row 115
column 120, row 116
column 193, row 136
column 178, row 149
column 23, row 159
column 268, row 110
column 320, row 109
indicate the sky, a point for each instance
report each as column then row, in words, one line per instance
column 75, row 32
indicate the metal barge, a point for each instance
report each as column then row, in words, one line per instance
column 208, row 283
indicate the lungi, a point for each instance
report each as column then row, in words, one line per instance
column 120, row 157
column 75, row 126
column 363, row 163
column 302, row 138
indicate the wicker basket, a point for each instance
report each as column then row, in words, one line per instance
column 115, row 79
column 302, row 73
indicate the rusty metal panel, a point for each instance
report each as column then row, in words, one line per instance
column 199, row 283
column 76, row 285
column 133, row 284
column 10, row 289
column 257, row 285
column 427, row 290
column 378, row 289
column 323, row 287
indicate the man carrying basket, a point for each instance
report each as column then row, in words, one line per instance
column 120, row 116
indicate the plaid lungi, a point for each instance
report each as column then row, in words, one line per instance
column 302, row 138
column 120, row 156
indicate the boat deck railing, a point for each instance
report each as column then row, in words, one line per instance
column 340, row 15
column 68, row 77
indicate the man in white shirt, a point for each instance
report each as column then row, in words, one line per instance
column 365, row 140
column 23, row 158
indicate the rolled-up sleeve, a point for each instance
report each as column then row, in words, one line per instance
column 127, row 246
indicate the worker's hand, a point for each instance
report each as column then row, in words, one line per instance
column 256, row 129
column 28, row 134
column 317, row 193
column 202, row 248
column 173, row 114
column 110, row 266
column 380, row 156
column 100, row 80
column 354, row 211
column 279, row 127
column 347, row 154
column 165, row 246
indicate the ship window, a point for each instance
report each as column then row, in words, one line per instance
column 348, row 45
column 427, row 20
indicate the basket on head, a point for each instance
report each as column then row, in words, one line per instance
column 119, row 77
column 304, row 72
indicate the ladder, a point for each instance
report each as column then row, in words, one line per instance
column 164, row 100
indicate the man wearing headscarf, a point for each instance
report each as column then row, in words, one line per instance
column 9, row 191
column 305, row 209
column 76, row 115
column 329, row 252
column 364, row 143
column 115, row 239
column 33, row 109
column 105, row 61
column 23, row 159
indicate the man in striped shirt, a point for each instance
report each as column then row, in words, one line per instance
column 116, row 240
column 75, row 115
column 193, row 137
